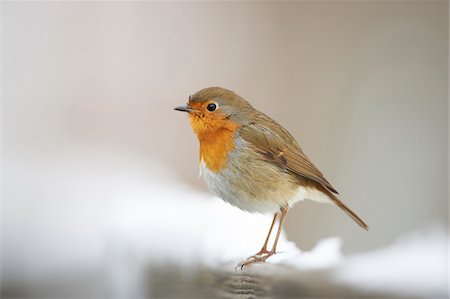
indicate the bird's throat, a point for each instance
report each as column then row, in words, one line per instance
column 216, row 136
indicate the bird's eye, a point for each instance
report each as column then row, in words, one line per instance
column 211, row 107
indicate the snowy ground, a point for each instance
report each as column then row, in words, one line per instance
column 73, row 235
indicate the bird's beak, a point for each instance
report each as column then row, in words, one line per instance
column 183, row 108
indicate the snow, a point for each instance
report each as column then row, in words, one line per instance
column 415, row 265
column 117, row 223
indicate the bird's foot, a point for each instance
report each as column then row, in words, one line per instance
column 260, row 257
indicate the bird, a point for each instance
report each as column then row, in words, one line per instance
column 253, row 163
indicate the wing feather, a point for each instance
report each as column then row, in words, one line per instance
column 276, row 145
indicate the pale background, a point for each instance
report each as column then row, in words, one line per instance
column 89, row 88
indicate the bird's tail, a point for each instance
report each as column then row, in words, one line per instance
column 346, row 209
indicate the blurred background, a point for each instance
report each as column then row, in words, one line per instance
column 100, row 175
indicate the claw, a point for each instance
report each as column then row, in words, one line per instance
column 260, row 257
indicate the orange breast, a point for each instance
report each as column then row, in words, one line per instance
column 216, row 139
column 214, row 149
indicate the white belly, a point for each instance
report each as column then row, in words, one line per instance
column 222, row 187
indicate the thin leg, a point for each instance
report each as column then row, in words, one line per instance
column 280, row 227
column 264, row 248
column 261, row 256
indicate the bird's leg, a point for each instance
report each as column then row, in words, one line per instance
column 263, row 254
column 264, row 248
column 280, row 227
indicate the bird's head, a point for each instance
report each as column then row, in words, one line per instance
column 215, row 108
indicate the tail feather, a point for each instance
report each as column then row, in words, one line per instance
column 346, row 209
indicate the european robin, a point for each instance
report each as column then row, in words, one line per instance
column 252, row 162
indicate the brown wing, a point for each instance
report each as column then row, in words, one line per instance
column 277, row 146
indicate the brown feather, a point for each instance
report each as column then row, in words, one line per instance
column 277, row 146
column 344, row 208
